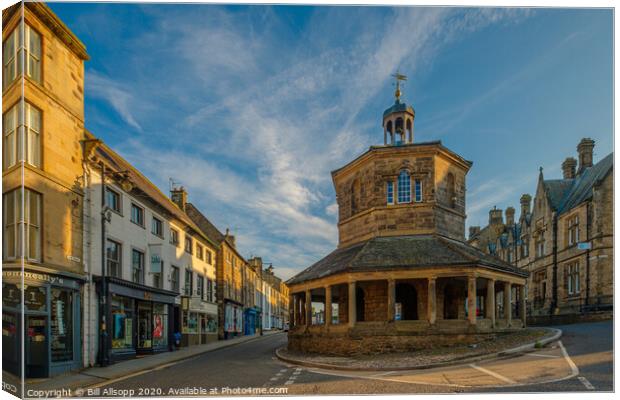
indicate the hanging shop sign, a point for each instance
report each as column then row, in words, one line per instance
column 155, row 252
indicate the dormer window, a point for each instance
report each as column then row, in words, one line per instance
column 404, row 187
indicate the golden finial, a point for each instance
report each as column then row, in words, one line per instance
column 399, row 77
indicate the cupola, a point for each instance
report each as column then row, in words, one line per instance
column 398, row 119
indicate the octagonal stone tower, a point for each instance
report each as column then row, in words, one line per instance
column 402, row 187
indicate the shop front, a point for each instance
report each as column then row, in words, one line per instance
column 50, row 328
column 199, row 321
column 233, row 320
column 251, row 327
column 140, row 319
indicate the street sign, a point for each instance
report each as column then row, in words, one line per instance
column 584, row 245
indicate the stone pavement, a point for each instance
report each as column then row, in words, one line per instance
column 95, row 375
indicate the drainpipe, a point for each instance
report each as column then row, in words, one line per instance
column 588, row 223
column 103, row 342
column 554, row 294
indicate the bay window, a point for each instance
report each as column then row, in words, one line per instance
column 22, row 140
column 12, row 59
column 19, row 225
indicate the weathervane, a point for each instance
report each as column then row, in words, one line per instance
column 399, row 77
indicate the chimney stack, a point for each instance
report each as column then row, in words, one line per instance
column 179, row 197
column 585, row 149
column 230, row 239
column 569, row 167
column 496, row 217
column 510, row 216
column 526, row 201
column 473, row 230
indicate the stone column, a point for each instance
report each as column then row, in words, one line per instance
column 308, row 308
column 471, row 299
column 522, row 304
column 352, row 304
column 328, row 305
column 432, row 301
column 391, row 299
column 507, row 305
column 490, row 312
column 291, row 311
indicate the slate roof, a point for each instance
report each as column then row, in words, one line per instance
column 566, row 194
column 401, row 252
column 203, row 222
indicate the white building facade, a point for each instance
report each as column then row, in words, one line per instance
column 158, row 288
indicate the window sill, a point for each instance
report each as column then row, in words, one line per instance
column 156, row 235
column 135, row 223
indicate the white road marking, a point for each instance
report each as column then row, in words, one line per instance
column 493, row 374
column 274, row 378
column 283, row 370
column 541, row 355
column 288, row 382
column 586, row 382
column 570, row 362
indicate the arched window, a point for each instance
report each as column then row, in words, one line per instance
column 399, row 131
column 404, row 187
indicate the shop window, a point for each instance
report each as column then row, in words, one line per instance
column 137, row 215
column 160, row 325
column 211, row 323
column 122, row 322
column 61, row 325
column 190, row 322
column 13, row 221
column 113, row 258
column 113, row 199
column 144, row 325
column 137, row 266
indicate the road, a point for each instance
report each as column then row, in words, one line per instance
column 582, row 361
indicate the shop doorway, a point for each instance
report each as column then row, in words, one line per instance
column 144, row 331
column 36, row 346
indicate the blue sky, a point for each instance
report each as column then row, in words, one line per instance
column 251, row 107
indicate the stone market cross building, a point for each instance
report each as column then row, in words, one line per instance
column 402, row 276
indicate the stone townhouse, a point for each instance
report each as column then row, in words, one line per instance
column 152, row 269
column 43, row 192
column 565, row 240
column 230, row 266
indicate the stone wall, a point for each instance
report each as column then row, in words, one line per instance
column 361, row 193
column 354, row 344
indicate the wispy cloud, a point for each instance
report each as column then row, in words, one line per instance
column 114, row 94
column 252, row 123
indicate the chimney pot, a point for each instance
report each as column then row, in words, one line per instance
column 569, row 167
column 585, row 150
column 179, row 197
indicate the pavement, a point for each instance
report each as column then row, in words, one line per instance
column 123, row 370
column 581, row 361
